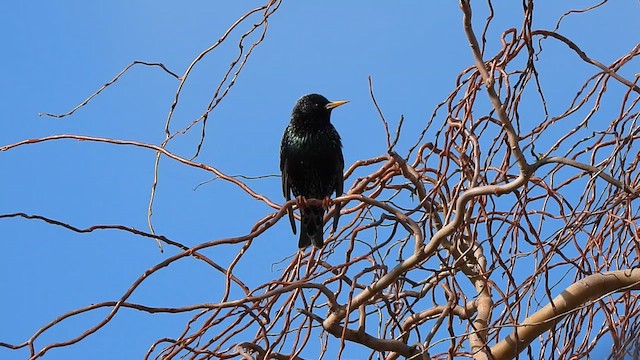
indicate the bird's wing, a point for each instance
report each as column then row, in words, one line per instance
column 340, row 177
column 286, row 188
column 339, row 187
column 284, row 166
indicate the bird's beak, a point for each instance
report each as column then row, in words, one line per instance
column 335, row 104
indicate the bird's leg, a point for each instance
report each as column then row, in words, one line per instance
column 302, row 202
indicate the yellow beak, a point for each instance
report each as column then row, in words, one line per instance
column 335, row 104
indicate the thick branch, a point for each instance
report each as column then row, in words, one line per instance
column 579, row 293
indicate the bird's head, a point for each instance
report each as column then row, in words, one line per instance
column 314, row 109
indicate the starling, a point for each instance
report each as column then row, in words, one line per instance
column 312, row 165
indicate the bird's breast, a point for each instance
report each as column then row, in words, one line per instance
column 313, row 160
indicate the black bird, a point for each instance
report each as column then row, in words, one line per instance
column 312, row 164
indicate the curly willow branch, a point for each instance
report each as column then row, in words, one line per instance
column 516, row 221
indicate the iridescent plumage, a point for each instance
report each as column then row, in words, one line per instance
column 312, row 164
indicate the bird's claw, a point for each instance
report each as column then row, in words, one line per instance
column 327, row 202
column 301, row 201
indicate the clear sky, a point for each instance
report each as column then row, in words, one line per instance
column 56, row 53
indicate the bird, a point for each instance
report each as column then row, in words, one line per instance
column 312, row 165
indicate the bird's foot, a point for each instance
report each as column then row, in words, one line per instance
column 327, row 202
column 301, row 201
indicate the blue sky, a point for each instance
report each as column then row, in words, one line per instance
column 56, row 53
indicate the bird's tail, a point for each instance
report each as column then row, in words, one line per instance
column 311, row 227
